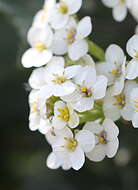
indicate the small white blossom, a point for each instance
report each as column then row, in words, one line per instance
column 62, row 11
column 43, row 17
column 106, row 137
column 132, row 49
column 54, row 162
column 118, row 106
column 71, row 39
column 90, row 88
column 37, row 121
column 64, row 115
column 71, row 149
column 40, row 40
column 114, row 68
column 58, row 78
column 119, row 8
column 134, row 103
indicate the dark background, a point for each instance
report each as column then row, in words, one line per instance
column 23, row 153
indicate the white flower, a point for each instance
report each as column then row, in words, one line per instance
column 58, row 78
column 37, row 121
column 116, row 106
column 54, row 162
column 64, row 115
column 62, row 12
column 106, row 137
column 71, row 39
column 133, row 7
column 114, row 68
column 90, row 88
column 119, row 8
column 134, row 102
column 70, row 149
column 43, row 17
column 132, row 49
column 40, row 40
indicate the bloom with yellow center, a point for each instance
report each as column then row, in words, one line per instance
column 120, row 100
column 64, row 115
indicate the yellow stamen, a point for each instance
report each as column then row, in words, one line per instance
column 86, row 91
column 40, row 46
column 115, row 71
column 60, row 79
column 70, row 35
column 34, row 107
column 120, row 100
column 63, row 8
column 102, row 140
column 71, row 144
column 122, row 1
column 136, row 55
column 64, row 113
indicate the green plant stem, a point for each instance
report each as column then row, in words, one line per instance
column 96, row 51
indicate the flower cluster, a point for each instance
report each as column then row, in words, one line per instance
column 73, row 100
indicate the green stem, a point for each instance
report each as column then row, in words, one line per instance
column 96, row 51
column 92, row 115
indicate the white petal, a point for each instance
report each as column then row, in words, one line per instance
column 64, row 89
column 120, row 12
column 32, row 57
column 84, row 104
column 111, row 148
column 44, row 126
column 132, row 46
column 106, row 69
column 95, row 128
column 86, row 140
column 44, row 35
column 73, row 5
column 127, row 112
column 110, row 3
column 84, row 28
column 34, row 121
column 132, row 69
column 52, row 161
column 90, row 76
column 78, row 49
column 118, row 86
column 72, row 71
column 36, row 79
column 58, row 20
column 99, row 88
column 77, row 158
column 74, row 120
column 135, row 120
column 110, row 108
column 114, row 54
column 111, row 129
column 97, row 154
column 58, row 123
column 59, row 46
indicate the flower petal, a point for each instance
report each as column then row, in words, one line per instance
column 111, row 148
column 74, row 6
column 132, row 69
column 52, row 161
column 86, row 140
column 132, row 46
column 120, row 12
column 97, row 154
column 78, row 49
column 84, row 28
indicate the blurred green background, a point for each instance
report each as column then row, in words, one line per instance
column 23, row 153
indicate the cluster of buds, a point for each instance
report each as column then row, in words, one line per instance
column 75, row 101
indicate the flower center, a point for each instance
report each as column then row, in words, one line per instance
column 64, row 114
column 120, row 101
column 122, row 1
column 34, row 107
column 63, row 8
column 71, row 35
column 71, row 144
column 86, row 92
column 59, row 79
column 102, row 137
column 40, row 46
column 136, row 105
column 136, row 56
